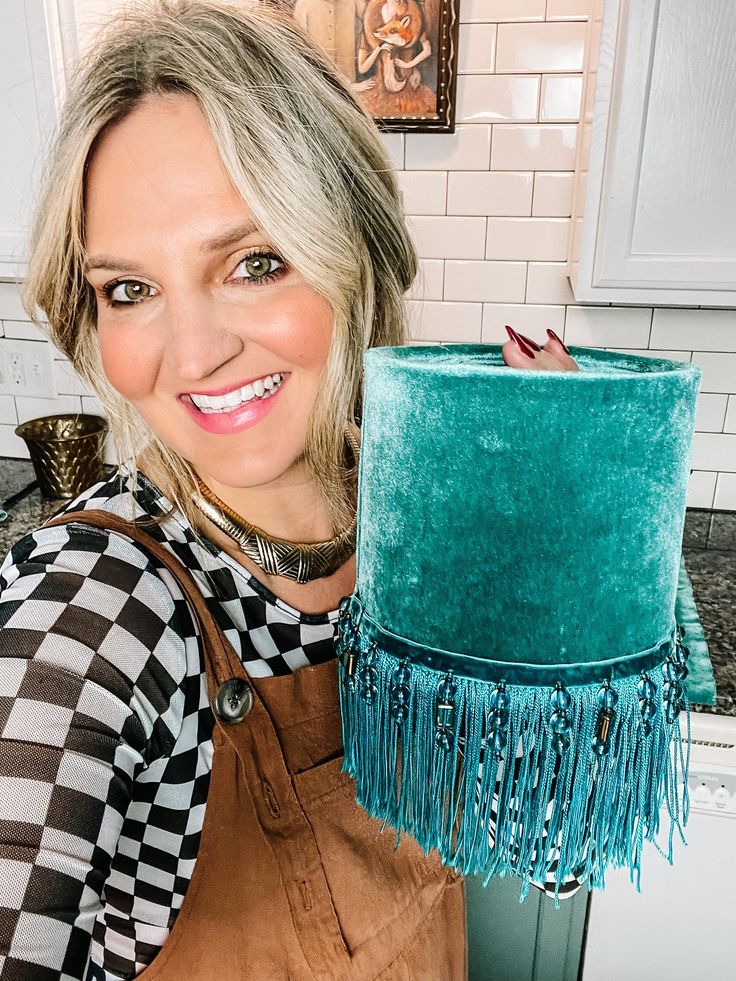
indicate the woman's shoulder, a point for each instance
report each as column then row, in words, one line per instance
column 87, row 606
column 96, row 587
column 119, row 493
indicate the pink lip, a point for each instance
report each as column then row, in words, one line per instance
column 239, row 418
column 232, row 388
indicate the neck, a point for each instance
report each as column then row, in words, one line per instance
column 291, row 508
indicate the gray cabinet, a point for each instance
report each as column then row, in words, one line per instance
column 529, row 941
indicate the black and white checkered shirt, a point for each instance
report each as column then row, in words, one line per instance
column 105, row 731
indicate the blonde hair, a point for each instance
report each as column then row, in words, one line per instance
column 294, row 141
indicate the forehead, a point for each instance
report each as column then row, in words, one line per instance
column 157, row 168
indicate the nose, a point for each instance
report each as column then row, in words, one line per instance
column 198, row 340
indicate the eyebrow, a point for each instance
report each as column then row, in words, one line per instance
column 215, row 244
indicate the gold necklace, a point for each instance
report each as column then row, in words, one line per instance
column 302, row 561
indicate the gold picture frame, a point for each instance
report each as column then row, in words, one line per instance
column 399, row 56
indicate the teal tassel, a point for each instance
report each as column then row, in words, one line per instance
column 480, row 783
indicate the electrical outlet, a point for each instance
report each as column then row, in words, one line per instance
column 26, row 368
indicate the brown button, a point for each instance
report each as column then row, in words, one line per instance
column 233, row 701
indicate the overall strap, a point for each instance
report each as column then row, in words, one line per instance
column 223, row 660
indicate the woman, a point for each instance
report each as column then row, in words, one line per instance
column 219, row 213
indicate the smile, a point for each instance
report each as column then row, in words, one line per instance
column 244, row 407
column 261, row 388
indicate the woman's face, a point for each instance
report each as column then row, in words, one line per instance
column 191, row 314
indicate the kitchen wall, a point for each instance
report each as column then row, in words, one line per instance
column 489, row 209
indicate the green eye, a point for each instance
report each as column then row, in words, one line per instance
column 259, row 268
column 129, row 291
column 135, row 291
column 257, row 265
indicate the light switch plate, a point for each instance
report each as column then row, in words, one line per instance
column 25, row 368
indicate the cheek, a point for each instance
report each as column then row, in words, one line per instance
column 129, row 368
column 305, row 325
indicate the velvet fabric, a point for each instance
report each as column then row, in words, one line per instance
column 510, row 658
column 701, row 681
column 519, row 515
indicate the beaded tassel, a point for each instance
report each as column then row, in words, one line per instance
column 478, row 770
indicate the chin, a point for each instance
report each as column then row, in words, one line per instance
column 231, row 474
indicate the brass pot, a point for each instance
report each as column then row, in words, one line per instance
column 66, row 451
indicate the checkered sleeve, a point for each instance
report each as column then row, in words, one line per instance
column 91, row 667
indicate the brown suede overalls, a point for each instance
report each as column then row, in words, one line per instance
column 293, row 880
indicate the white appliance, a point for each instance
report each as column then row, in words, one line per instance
column 682, row 925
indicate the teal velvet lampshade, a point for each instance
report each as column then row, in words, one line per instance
column 510, row 653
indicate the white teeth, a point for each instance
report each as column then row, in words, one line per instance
column 261, row 388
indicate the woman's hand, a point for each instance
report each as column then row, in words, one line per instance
column 523, row 352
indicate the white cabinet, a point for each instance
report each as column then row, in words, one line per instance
column 36, row 38
column 654, row 218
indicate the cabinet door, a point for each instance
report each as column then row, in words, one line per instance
column 659, row 216
column 31, row 71
column 529, row 941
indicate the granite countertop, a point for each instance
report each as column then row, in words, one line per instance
column 709, row 547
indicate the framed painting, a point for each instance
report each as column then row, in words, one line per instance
column 399, row 56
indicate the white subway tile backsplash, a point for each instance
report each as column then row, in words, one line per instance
column 730, row 423
column 684, row 356
column 725, row 495
column 68, row 381
column 33, row 408
column 560, row 100
column 91, row 404
column 701, row 489
column 542, row 239
column 429, row 280
column 608, row 326
column 714, row 451
column 473, row 11
column 719, row 371
column 424, row 191
column 495, row 282
column 490, row 193
column 8, row 414
column 545, row 47
column 24, row 330
column 12, row 445
column 546, row 146
column 476, row 48
column 699, row 330
column 10, row 305
column 525, row 318
column 448, row 237
column 394, row 144
column 553, row 195
column 711, row 412
column 568, row 9
column 547, row 282
column 497, row 98
column 468, row 148
column 445, row 321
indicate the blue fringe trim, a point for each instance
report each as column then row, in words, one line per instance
column 507, row 779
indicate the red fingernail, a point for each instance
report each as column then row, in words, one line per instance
column 522, row 345
column 530, row 342
column 556, row 338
